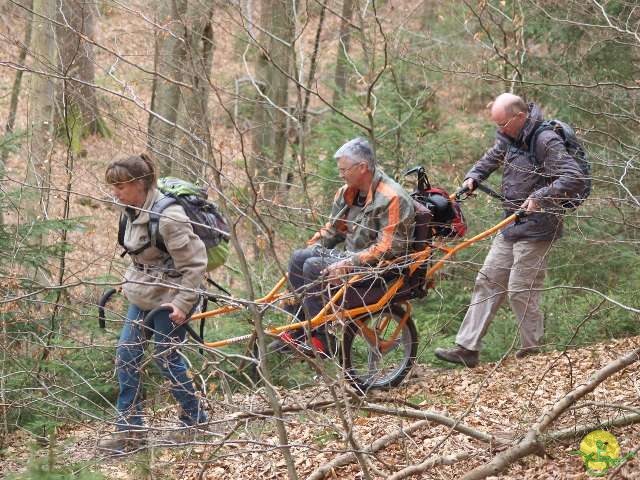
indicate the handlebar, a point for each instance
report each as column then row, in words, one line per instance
column 106, row 296
column 520, row 214
column 423, row 179
column 101, row 303
column 457, row 195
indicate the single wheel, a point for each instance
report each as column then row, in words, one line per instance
column 382, row 356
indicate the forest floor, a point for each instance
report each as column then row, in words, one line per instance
column 502, row 398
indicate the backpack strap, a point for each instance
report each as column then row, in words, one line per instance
column 155, row 239
column 122, row 227
column 533, row 141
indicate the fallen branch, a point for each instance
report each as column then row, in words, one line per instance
column 427, row 464
column 436, row 418
column 266, row 413
column 614, row 406
column 347, row 458
column 532, row 442
column 581, row 430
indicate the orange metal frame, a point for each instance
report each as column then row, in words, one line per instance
column 330, row 314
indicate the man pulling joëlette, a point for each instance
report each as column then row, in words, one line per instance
column 516, row 263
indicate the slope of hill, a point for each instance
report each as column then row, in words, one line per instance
column 501, row 399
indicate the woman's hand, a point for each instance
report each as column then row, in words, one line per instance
column 177, row 316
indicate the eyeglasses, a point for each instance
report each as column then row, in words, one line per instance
column 504, row 125
column 342, row 171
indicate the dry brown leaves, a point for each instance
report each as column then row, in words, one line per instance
column 494, row 398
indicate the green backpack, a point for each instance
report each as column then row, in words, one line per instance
column 207, row 221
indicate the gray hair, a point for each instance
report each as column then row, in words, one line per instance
column 358, row 150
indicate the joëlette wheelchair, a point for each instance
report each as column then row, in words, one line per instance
column 379, row 337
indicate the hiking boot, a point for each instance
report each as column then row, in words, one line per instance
column 122, row 441
column 458, row 354
column 525, row 352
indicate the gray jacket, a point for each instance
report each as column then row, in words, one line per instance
column 559, row 177
column 156, row 277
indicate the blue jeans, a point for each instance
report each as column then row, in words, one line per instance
column 129, row 357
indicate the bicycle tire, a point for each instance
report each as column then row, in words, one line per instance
column 363, row 363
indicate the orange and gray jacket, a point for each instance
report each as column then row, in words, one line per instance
column 383, row 229
column 558, row 178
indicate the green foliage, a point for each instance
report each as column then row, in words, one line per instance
column 39, row 408
column 48, row 468
column 19, row 244
column 10, row 141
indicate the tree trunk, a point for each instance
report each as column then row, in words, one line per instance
column 342, row 61
column 41, row 114
column 15, row 96
column 271, row 114
column 76, row 18
column 165, row 100
column 195, row 141
column 41, row 100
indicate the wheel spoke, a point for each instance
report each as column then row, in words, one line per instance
column 383, row 359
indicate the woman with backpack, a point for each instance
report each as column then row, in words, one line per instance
column 155, row 278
